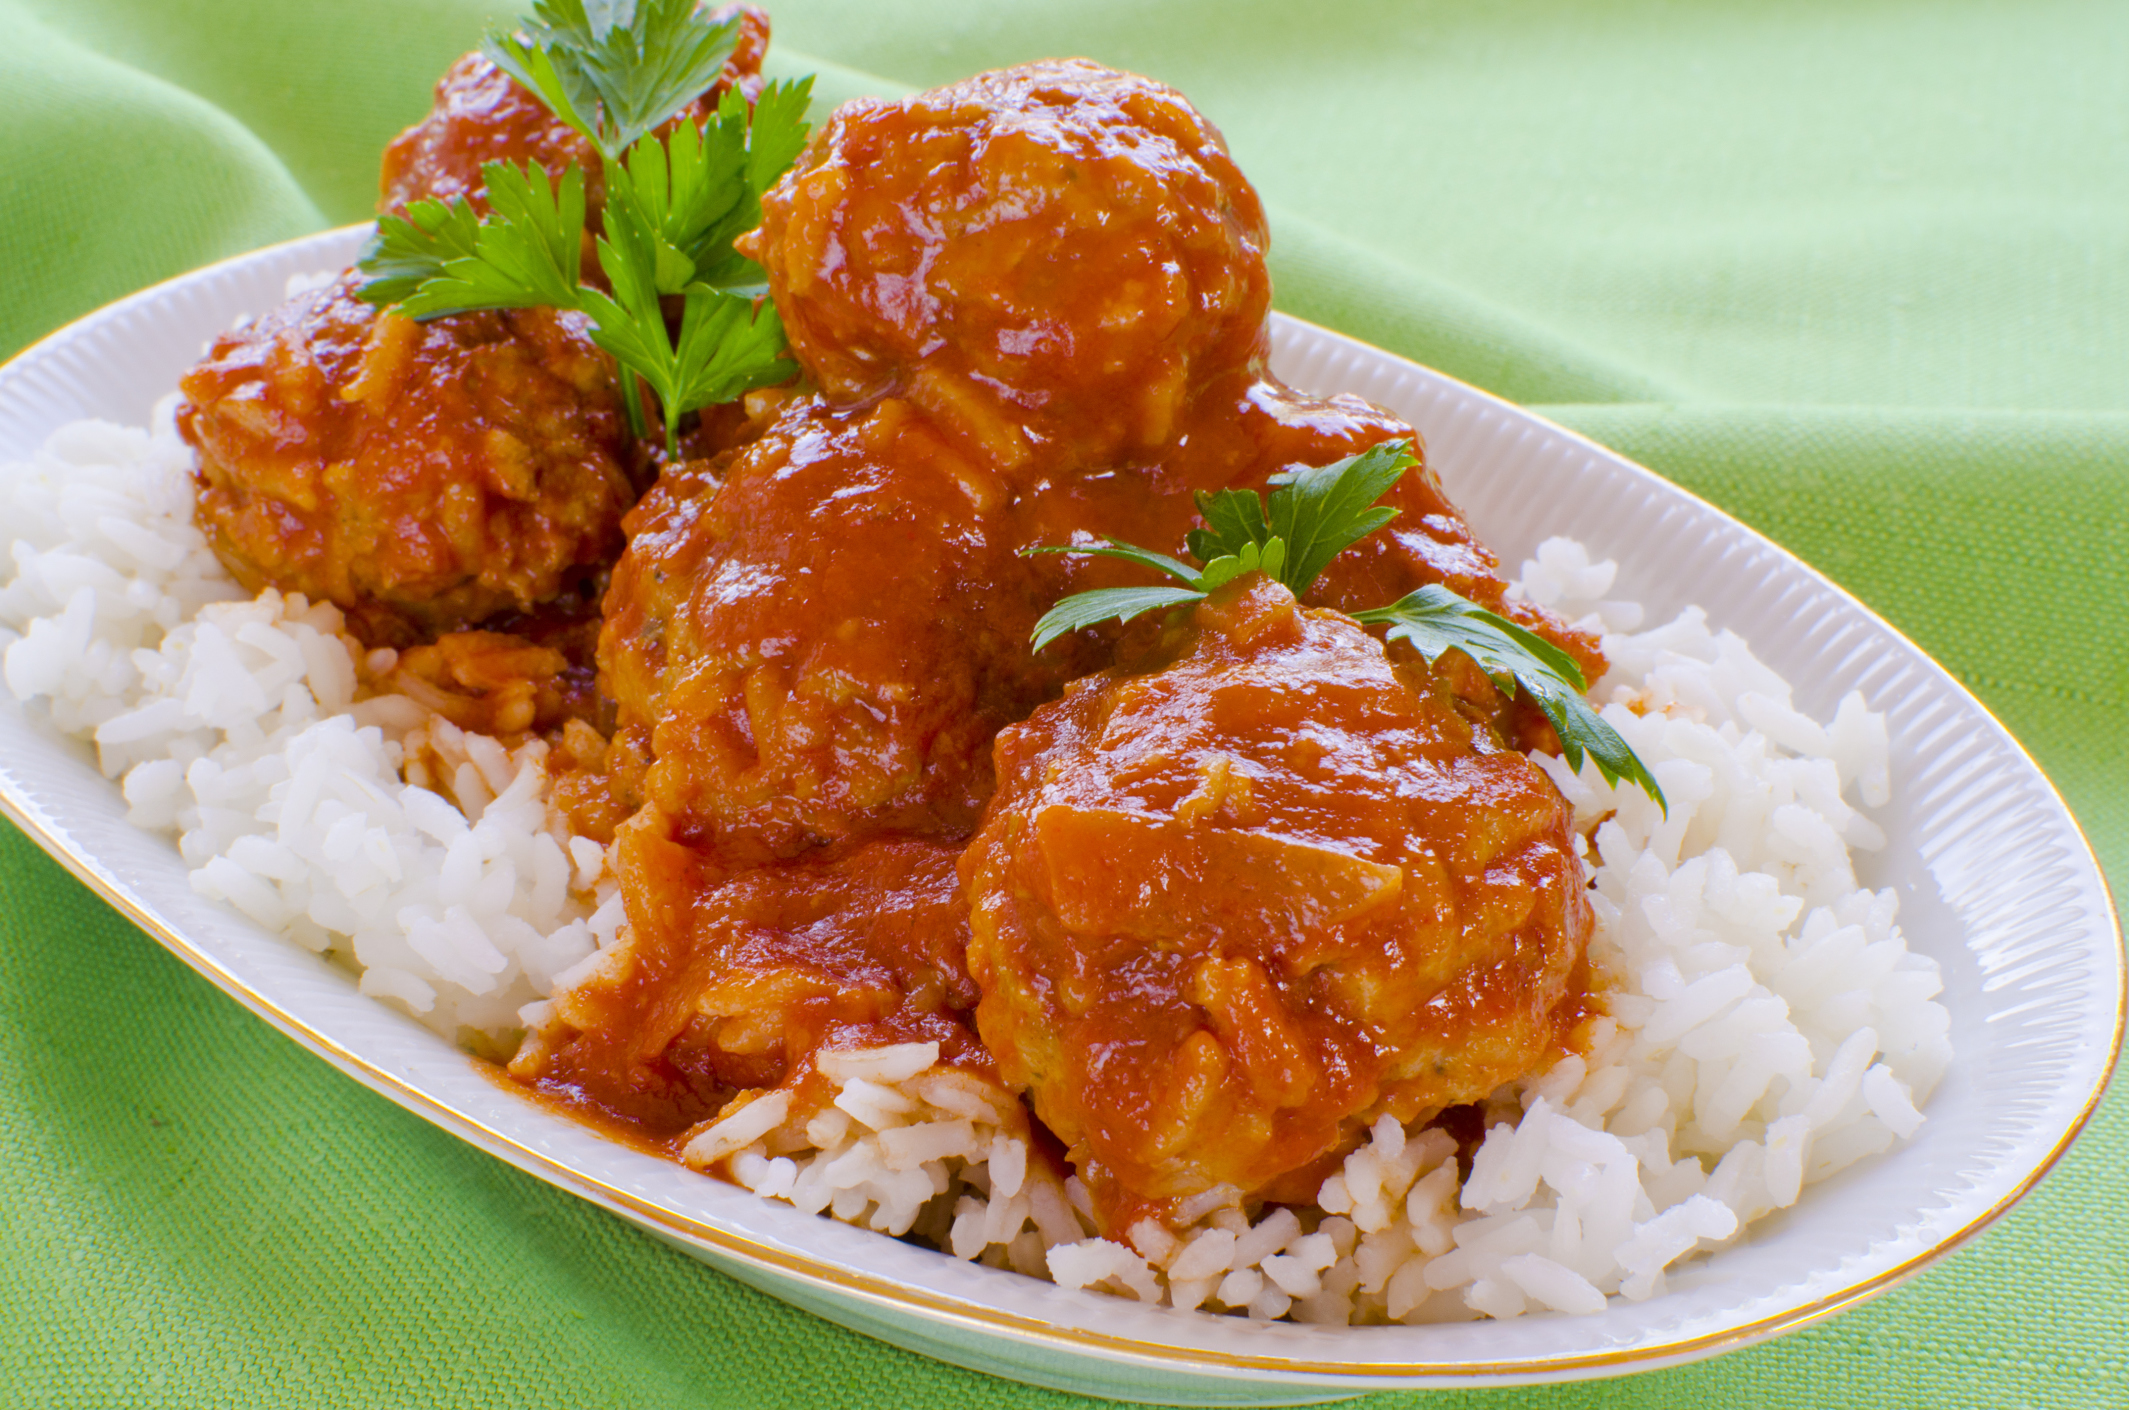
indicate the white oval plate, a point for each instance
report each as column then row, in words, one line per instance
column 1994, row 878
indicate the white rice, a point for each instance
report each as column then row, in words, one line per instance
column 246, row 727
column 1768, row 1026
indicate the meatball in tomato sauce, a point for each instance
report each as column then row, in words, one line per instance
column 1232, row 904
column 1049, row 259
column 822, row 639
column 420, row 476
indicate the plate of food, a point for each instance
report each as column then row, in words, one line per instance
column 855, row 697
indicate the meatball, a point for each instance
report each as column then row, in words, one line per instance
column 822, row 640
column 1049, row 259
column 724, row 983
column 421, row 476
column 484, row 115
column 1229, row 909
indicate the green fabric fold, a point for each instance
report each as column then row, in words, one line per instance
column 191, row 183
column 1856, row 273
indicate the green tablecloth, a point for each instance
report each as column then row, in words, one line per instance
column 1857, row 272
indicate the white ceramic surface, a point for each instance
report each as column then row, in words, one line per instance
column 1995, row 881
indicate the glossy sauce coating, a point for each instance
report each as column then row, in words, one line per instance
column 1048, row 259
column 823, row 640
column 421, row 476
column 1232, row 903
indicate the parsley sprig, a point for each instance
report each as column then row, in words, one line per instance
column 614, row 70
column 1313, row 514
column 1315, row 511
column 1435, row 620
column 441, row 258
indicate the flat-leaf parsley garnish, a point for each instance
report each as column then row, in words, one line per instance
column 1435, row 620
column 1313, row 514
column 441, row 258
column 615, row 70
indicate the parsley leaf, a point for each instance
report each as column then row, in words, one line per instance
column 1130, row 553
column 1316, row 511
column 673, row 208
column 1323, row 508
column 1435, row 620
column 1268, row 558
column 671, row 194
column 615, row 69
column 777, row 135
column 727, row 346
column 1086, row 609
column 1232, row 518
column 692, row 194
column 408, row 251
column 524, row 255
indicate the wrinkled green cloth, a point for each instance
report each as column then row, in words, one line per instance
column 1857, row 272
